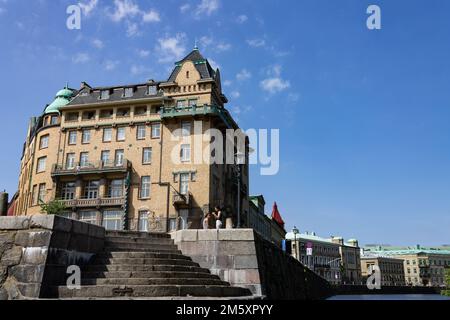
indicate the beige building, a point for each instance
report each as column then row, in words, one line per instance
column 110, row 153
column 391, row 269
column 350, row 253
column 422, row 266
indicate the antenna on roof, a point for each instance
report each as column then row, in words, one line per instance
column 195, row 45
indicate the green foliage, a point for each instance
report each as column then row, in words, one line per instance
column 447, row 277
column 54, row 207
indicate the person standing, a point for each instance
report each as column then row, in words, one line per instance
column 206, row 221
column 218, row 215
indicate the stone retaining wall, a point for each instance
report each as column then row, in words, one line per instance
column 243, row 258
column 35, row 252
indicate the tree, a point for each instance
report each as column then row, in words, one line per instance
column 447, row 278
column 54, row 207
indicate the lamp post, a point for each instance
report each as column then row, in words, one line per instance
column 239, row 156
column 295, row 231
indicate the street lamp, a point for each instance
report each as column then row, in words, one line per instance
column 239, row 160
column 295, row 231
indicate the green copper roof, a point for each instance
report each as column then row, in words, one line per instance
column 62, row 98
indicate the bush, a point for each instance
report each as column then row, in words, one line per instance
column 54, row 207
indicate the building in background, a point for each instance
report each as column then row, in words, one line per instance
column 318, row 254
column 423, row 266
column 272, row 229
column 350, row 260
column 391, row 269
column 106, row 153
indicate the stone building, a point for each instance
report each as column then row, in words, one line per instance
column 350, row 260
column 391, row 269
column 111, row 154
column 423, row 266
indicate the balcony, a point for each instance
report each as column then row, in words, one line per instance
column 179, row 199
column 91, row 203
column 91, row 168
column 190, row 111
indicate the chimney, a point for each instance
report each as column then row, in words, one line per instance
column 338, row 240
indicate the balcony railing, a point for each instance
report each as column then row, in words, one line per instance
column 89, row 203
column 171, row 112
column 180, row 199
column 91, row 167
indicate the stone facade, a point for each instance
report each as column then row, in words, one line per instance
column 36, row 251
column 392, row 273
column 243, row 258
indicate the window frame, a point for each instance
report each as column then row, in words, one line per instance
column 72, row 134
column 43, row 138
column 39, row 163
column 150, row 149
column 119, row 130
column 141, row 128
column 141, row 187
column 110, row 130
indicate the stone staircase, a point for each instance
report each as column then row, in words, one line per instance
column 143, row 265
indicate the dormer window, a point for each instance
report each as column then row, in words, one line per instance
column 128, row 92
column 187, row 74
column 152, row 90
column 104, row 95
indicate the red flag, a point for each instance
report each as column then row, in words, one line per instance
column 276, row 216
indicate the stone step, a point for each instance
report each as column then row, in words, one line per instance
column 112, row 249
column 131, row 246
column 142, row 255
column 144, row 268
column 146, row 274
column 154, row 281
column 111, row 291
column 152, row 241
column 145, row 261
column 135, row 234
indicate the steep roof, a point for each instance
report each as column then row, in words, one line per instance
column 201, row 64
column 276, row 216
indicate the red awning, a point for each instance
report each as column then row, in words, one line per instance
column 276, row 216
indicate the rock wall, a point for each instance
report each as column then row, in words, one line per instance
column 35, row 252
column 243, row 258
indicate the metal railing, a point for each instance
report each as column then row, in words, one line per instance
column 87, row 167
column 99, row 202
column 180, row 199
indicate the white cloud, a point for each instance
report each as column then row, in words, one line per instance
column 111, row 65
column 237, row 110
column 207, row 7
column 205, row 41
column 88, row 6
column 97, row 43
column 220, row 47
column 244, row 74
column 151, row 16
column 241, row 19
column 185, row 7
column 143, row 53
column 81, row 58
column 256, row 43
column 274, row 83
column 124, row 9
column 227, row 83
column 214, row 64
column 171, row 48
column 133, row 30
column 139, row 69
column 235, row 94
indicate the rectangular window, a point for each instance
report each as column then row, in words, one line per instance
column 180, row 104
column 143, row 221
column 72, row 116
column 156, row 131
column 104, row 95
column 86, row 136
column 172, row 224
column 91, row 189
column 44, row 142
column 88, row 217
column 121, row 134
column 107, row 135
column 70, row 161
column 72, row 137
column 192, row 102
column 34, row 196
column 68, row 191
column 128, row 92
column 54, row 120
column 116, row 188
column 84, row 159
column 106, row 114
column 184, row 183
column 88, row 115
column 42, row 193
column 105, row 157
column 113, row 220
column 120, row 158
column 186, row 128
column 147, row 156
column 41, row 164
column 123, row 112
column 152, row 90
column 141, row 132
column 185, row 153
column 140, row 111
column 145, row 187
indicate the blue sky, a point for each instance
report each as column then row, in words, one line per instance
column 365, row 139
